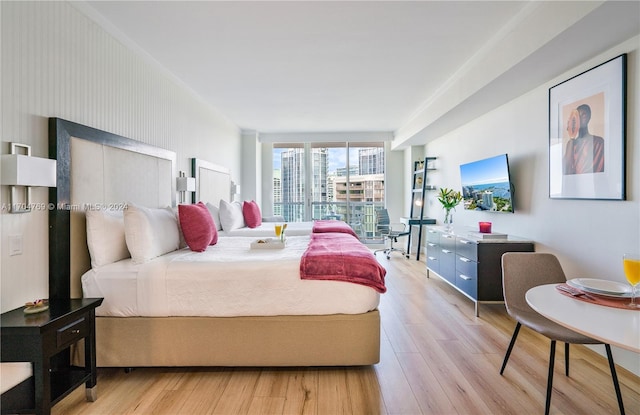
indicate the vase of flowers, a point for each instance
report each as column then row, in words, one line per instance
column 449, row 199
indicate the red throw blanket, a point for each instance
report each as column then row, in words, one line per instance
column 326, row 225
column 340, row 257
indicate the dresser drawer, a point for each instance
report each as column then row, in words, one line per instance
column 467, row 276
column 433, row 257
column 448, row 241
column 467, row 248
column 447, row 258
column 71, row 333
column 433, row 236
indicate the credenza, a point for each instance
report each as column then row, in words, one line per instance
column 471, row 262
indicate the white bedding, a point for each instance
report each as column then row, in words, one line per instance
column 267, row 229
column 227, row 280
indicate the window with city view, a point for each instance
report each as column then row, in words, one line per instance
column 329, row 181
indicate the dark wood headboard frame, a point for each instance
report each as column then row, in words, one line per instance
column 60, row 133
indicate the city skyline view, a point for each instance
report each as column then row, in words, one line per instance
column 337, row 158
column 317, row 186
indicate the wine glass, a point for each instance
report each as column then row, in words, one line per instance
column 631, row 265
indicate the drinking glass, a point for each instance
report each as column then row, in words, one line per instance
column 631, row 265
column 278, row 230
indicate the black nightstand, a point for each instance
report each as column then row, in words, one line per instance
column 37, row 338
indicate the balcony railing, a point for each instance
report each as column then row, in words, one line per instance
column 359, row 215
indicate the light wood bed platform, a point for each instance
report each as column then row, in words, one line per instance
column 97, row 167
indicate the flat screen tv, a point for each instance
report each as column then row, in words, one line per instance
column 486, row 185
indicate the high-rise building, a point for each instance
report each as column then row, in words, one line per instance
column 277, row 192
column 371, row 160
column 293, row 181
column 331, row 190
column 362, row 188
column 353, row 171
column 487, row 200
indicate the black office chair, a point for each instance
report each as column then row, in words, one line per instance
column 391, row 232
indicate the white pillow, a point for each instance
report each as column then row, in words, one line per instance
column 215, row 214
column 231, row 216
column 105, row 237
column 182, row 243
column 150, row 232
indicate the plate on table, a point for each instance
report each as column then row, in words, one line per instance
column 36, row 309
column 601, row 287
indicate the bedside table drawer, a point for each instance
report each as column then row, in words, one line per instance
column 71, row 333
column 50, row 334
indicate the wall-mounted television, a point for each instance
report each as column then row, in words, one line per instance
column 486, row 185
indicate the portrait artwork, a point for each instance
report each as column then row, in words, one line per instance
column 587, row 134
column 584, row 136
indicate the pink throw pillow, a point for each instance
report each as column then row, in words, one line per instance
column 198, row 227
column 252, row 214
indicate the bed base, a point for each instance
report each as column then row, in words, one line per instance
column 333, row 340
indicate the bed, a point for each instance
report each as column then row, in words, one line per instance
column 213, row 186
column 100, row 169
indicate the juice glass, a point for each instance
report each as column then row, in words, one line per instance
column 278, row 229
column 631, row 265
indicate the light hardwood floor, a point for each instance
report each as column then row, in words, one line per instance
column 436, row 358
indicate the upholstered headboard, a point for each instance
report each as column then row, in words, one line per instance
column 212, row 182
column 97, row 170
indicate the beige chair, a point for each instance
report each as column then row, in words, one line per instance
column 522, row 271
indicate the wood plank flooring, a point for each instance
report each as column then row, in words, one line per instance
column 436, row 358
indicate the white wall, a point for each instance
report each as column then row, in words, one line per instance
column 55, row 62
column 395, row 191
column 588, row 236
column 252, row 168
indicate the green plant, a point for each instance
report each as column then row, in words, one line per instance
column 449, row 198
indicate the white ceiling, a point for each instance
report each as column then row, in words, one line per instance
column 324, row 66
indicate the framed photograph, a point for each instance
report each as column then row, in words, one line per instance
column 587, row 134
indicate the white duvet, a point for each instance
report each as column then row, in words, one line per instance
column 228, row 279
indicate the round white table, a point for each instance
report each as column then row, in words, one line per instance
column 615, row 326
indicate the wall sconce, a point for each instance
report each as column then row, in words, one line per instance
column 235, row 190
column 22, row 170
column 185, row 184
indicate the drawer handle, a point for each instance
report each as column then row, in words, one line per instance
column 463, row 259
column 431, row 258
column 430, row 231
column 447, row 236
column 430, row 244
column 464, row 241
column 75, row 331
column 446, row 251
column 464, row 277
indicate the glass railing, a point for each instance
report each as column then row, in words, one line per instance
column 359, row 215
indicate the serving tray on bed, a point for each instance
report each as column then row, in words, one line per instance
column 268, row 243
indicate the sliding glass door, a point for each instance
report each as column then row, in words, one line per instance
column 340, row 181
